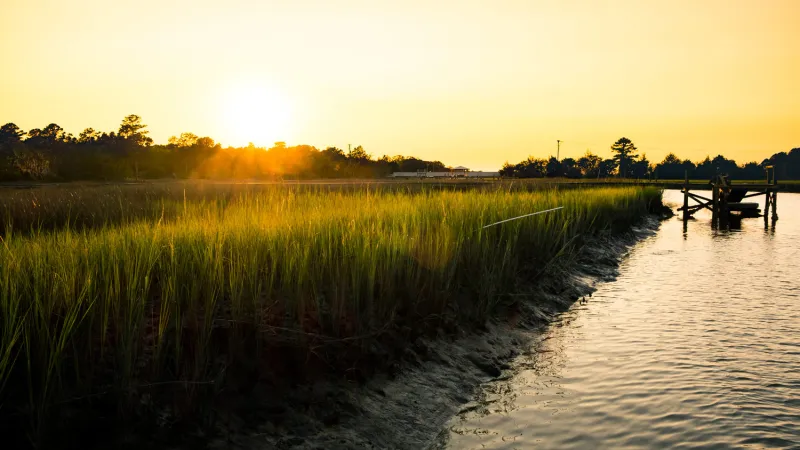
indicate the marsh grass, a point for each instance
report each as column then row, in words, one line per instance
column 183, row 298
column 29, row 209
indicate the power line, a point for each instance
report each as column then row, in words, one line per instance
column 524, row 215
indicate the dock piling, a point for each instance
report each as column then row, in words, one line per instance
column 726, row 199
column 686, row 195
column 774, row 197
column 715, row 207
column 724, row 208
column 767, row 197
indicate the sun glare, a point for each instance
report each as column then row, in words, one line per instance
column 256, row 113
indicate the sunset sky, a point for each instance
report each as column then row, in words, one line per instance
column 465, row 82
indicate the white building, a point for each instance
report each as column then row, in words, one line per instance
column 455, row 172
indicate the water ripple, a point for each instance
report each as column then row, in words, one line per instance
column 696, row 345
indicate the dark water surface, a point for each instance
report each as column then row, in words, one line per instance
column 695, row 345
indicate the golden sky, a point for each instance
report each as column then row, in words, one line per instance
column 469, row 83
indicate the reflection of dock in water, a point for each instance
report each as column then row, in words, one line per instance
column 727, row 203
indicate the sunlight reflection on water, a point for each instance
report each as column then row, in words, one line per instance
column 695, row 345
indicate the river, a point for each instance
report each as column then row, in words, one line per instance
column 696, row 344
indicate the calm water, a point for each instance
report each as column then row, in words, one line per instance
column 696, row 345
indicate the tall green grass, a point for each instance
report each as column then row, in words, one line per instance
column 87, row 206
column 222, row 288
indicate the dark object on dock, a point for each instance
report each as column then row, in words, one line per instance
column 737, row 195
column 746, row 209
column 726, row 198
column 739, row 206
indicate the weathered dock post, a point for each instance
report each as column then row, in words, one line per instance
column 686, row 195
column 724, row 210
column 774, row 196
column 715, row 205
column 726, row 198
column 767, row 198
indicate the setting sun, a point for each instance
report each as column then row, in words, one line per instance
column 255, row 112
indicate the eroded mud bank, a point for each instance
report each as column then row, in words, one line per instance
column 438, row 377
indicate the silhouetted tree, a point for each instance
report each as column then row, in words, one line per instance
column 752, row 171
column 532, row 168
column 570, row 168
column 554, row 168
column 606, row 168
column 589, row 164
column 134, row 136
column 704, row 169
column 690, row 167
column 508, row 170
column 624, row 155
column 671, row 168
column 331, row 163
column 184, row 140
column 10, row 133
column 725, row 166
column 48, row 137
column 787, row 165
column 791, row 167
column 359, row 154
column 640, row 168
column 88, row 136
column 10, row 142
column 133, row 130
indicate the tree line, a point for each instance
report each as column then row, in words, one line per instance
column 51, row 154
column 626, row 163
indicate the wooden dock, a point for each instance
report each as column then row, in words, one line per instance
column 726, row 199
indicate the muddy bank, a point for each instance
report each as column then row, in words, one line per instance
column 436, row 378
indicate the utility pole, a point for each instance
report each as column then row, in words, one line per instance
column 558, row 151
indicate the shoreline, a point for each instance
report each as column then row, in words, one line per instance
column 283, row 369
column 788, row 186
column 437, row 378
